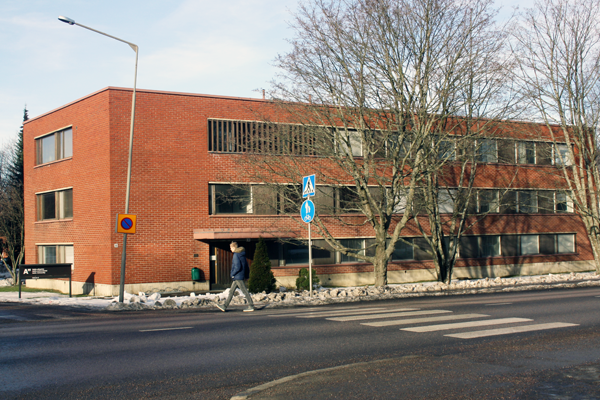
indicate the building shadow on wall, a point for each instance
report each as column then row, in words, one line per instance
column 89, row 286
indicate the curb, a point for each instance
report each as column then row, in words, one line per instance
column 257, row 389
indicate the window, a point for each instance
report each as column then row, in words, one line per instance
column 489, row 246
column 402, row 148
column 479, row 246
column 55, row 254
column 403, row 251
column 528, row 203
column 526, row 152
column 348, row 200
column 529, row 244
column 563, row 204
column 230, row 199
column 55, row 146
column 446, row 200
column 232, row 136
column 488, row 201
column 295, row 253
column 506, row 151
column 561, row 155
column 356, row 245
column 55, row 205
column 565, row 243
column 487, row 151
column 446, row 150
column 350, row 143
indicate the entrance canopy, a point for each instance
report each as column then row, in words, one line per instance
column 242, row 233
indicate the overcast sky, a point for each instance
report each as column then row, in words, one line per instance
column 221, row 47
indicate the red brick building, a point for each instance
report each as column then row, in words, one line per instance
column 75, row 177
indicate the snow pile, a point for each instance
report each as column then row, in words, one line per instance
column 5, row 279
column 282, row 298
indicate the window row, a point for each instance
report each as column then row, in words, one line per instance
column 492, row 246
column 231, row 136
column 296, row 253
column 55, row 205
column 508, row 201
column 269, row 200
column 54, row 146
column 521, row 152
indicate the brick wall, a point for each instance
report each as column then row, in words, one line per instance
column 169, row 188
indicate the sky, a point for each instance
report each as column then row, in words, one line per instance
column 224, row 47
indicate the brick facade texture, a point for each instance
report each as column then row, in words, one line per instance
column 171, row 172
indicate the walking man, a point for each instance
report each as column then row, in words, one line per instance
column 239, row 267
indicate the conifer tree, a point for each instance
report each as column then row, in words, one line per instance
column 261, row 276
column 15, row 169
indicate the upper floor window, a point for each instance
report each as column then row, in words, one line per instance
column 487, row 151
column 561, row 155
column 55, row 146
column 55, row 205
column 230, row 199
column 526, row 152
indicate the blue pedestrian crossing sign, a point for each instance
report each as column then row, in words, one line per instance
column 307, row 211
column 308, row 186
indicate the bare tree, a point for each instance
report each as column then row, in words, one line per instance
column 557, row 46
column 383, row 92
column 11, row 214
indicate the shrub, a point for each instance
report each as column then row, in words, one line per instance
column 261, row 276
column 302, row 280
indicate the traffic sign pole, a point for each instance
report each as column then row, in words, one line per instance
column 310, row 261
column 307, row 212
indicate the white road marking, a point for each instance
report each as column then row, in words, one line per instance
column 498, row 304
column 506, row 331
column 389, row 315
column 359, row 313
column 470, row 324
column 421, row 320
column 165, row 329
column 327, row 313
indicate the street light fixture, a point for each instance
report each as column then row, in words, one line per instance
column 128, row 190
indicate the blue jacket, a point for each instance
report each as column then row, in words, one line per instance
column 239, row 264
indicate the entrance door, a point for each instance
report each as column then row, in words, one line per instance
column 223, row 267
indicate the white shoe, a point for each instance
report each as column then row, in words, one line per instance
column 249, row 309
column 220, row 307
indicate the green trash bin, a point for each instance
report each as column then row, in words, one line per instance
column 195, row 274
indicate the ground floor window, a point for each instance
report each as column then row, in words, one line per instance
column 55, row 254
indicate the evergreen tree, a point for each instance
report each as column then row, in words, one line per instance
column 15, row 169
column 303, row 279
column 261, row 276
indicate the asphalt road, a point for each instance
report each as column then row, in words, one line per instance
column 355, row 349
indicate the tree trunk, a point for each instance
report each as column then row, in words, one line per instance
column 595, row 242
column 380, row 266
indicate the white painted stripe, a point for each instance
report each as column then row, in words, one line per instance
column 165, row 329
column 422, row 320
column 506, row 331
column 389, row 315
column 359, row 313
column 327, row 313
column 498, row 304
column 471, row 324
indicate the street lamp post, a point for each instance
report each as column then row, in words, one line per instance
column 135, row 48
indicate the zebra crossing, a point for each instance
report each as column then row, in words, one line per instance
column 464, row 326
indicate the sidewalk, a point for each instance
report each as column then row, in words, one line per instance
column 284, row 298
